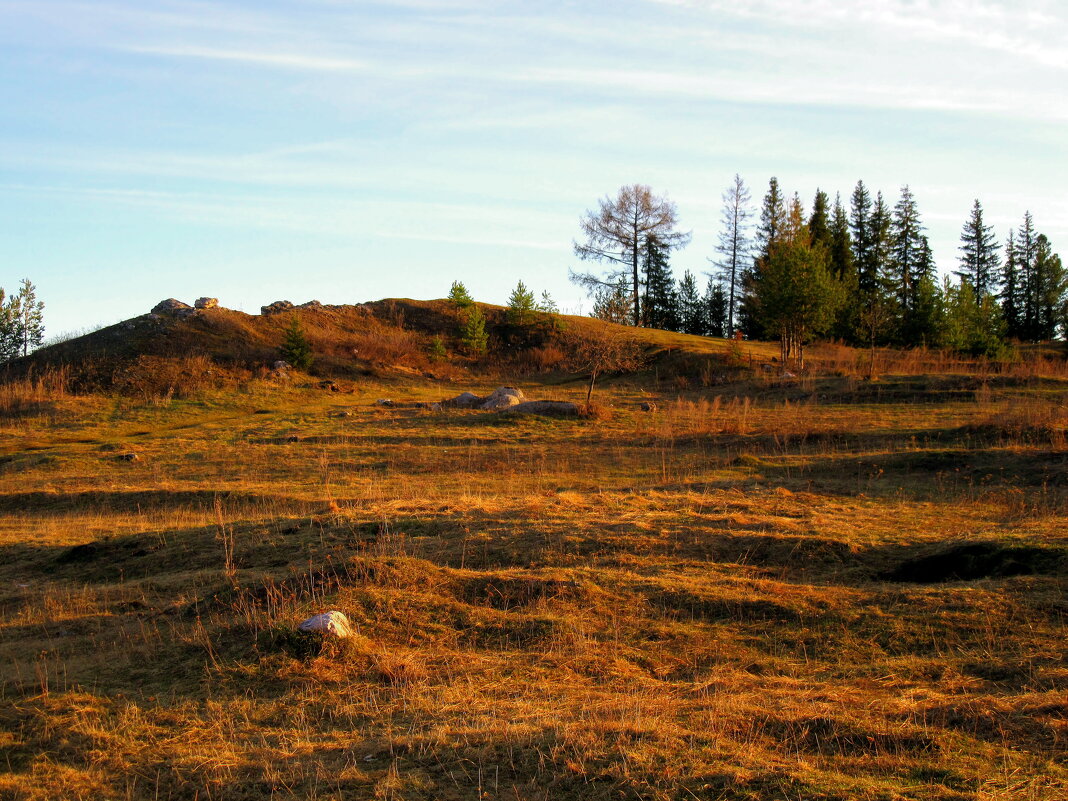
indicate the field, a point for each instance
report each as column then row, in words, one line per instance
column 818, row 588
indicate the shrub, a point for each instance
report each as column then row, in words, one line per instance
column 295, row 347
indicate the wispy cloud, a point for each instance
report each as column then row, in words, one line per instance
column 299, row 61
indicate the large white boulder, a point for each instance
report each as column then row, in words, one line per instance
column 503, row 398
column 332, row 622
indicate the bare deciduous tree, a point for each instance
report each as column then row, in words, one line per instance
column 603, row 349
column 617, row 233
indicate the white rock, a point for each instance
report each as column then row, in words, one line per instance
column 465, row 400
column 502, row 398
column 332, row 622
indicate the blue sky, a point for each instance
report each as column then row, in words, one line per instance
column 349, row 151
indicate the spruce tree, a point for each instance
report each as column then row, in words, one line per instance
column 1010, row 289
column 1050, row 284
column 772, row 219
column 909, row 262
column 716, row 309
column 844, row 269
column 819, row 223
column 660, row 304
column 1026, row 245
column 979, row 257
column 691, row 311
column 295, row 348
column 860, row 227
column 9, row 327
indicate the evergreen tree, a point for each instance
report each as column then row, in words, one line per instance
column 28, row 313
column 521, row 305
column 716, row 309
column 473, row 334
column 735, row 245
column 819, row 223
column 460, row 296
column 613, row 302
column 10, row 315
column 1026, row 246
column 547, row 305
column 772, row 220
column 844, row 269
column 691, row 311
column 861, row 228
column 979, row 257
column 660, row 304
column 295, row 348
column 1011, row 304
column 1050, row 284
column 972, row 324
column 907, row 262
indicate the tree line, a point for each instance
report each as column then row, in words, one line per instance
column 21, row 321
column 864, row 275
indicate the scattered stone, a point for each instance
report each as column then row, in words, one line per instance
column 434, row 407
column 277, row 307
column 465, row 400
column 545, row 407
column 128, row 457
column 293, row 438
column 329, row 385
column 341, row 413
column 385, row 402
column 171, row 306
column 206, row 303
column 281, row 365
column 647, row 406
column 502, row 398
column 332, row 622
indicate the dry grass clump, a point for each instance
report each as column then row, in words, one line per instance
column 719, row 599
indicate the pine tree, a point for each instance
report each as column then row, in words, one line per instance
column 735, row 245
column 521, row 305
column 660, row 303
column 29, row 314
column 295, row 348
column 772, row 220
column 473, row 336
column 691, row 311
column 9, row 327
column 547, row 305
column 459, row 295
column 979, row 257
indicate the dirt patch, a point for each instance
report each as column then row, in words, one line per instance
column 978, row 561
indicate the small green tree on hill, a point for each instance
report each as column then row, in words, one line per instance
column 521, row 305
column 473, row 334
column 296, row 349
column 460, row 296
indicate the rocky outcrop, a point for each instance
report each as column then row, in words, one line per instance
column 465, row 400
column 277, row 307
column 172, row 307
column 502, row 398
column 206, row 303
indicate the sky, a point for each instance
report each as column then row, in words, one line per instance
column 345, row 151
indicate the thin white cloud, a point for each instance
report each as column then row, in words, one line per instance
column 299, row 61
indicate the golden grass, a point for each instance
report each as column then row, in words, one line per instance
column 690, row 603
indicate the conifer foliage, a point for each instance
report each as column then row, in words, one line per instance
column 21, row 321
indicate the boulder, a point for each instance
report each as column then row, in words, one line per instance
column 206, row 303
column 545, row 407
column 385, row 402
column 647, row 406
column 333, row 622
column 502, row 398
column 281, row 365
column 277, row 307
column 465, row 400
column 170, row 306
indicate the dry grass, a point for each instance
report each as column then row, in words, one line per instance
column 697, row 602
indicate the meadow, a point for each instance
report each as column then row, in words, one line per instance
column 767, row 588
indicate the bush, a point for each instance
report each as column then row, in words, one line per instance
column 295, row 347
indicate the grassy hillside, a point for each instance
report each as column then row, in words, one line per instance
column 769, row 588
